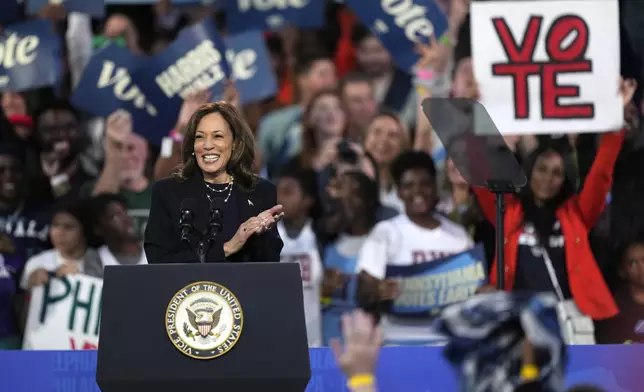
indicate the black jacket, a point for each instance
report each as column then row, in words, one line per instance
column 163, row 237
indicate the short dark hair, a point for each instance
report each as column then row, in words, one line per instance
column 411, row 160
column 354, row 77
column 56, row 104
column 96, row 206
column 359, row 33
column 243, row 154
column 306, row 178
column 306, row 63
column 79, row 209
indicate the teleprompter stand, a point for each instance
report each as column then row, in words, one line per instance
column 480, row 154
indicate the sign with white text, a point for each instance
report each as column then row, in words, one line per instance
column 250, row 66
column 426, row 288
column 29, row 56
column 399, row 24
column 549, row 66
column 194, row 61
column 106, row 85
column 242, row 15
column 64, row 314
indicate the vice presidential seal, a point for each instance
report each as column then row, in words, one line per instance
column 204, row 320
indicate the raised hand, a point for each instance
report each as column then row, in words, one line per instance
column 231, row 94
column 429, row 54
column 362, row 342
column 191, row 103
column 118, row 127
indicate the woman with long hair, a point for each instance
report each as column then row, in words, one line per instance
column 215, row 182
column 324, row 127
column 547, row 224
column 385, row 138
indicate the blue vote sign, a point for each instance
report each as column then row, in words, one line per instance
column 250, row 66
column 107, row 85
column 244, row 15
column 29, row 56
column 399, row 24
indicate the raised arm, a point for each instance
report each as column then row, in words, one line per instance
column 592, row 198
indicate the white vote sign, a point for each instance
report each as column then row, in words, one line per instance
column 64, row 314
column 548, row 66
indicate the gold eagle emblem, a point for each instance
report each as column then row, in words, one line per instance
column 203, row 316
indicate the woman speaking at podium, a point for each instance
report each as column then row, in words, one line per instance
column 214, row 208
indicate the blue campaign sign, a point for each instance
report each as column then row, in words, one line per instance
column 244, row 15
column 400, row 23
column 106, row 85
column 9, row 11
column 250, row 66
column 95, row 8
column 194, row 61
column 426, row 288
column 29, row 56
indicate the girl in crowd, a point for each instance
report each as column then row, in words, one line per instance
column 356, row 199
column 297, row 193
column 325, row 125
column 418, row 236
column 69, row 234
column 385, row 138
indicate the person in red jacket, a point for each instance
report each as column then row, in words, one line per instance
column 549, row 217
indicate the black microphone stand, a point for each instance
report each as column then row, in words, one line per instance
column 500, row 188
column 214, row 229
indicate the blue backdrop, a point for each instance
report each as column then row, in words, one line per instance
column 409, row 369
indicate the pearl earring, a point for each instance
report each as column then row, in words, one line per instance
column 193, row 154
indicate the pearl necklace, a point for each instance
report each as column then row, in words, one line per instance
column 228, row 188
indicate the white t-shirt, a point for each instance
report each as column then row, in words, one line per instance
column 303, row 250
column 107, row 257
column 399, row 241
column 49, row 260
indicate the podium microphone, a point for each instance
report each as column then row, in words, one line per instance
column 186, row 220
column 215, row 224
